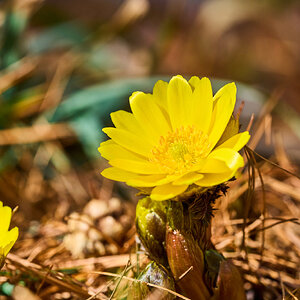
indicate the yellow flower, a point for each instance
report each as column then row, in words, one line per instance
column 7, row 237
column 172, row 138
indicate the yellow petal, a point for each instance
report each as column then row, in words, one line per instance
column 223, row 108
column 136, row 180
column 214, row 179
column 223, row 90
column 230, row 157
column 129, row 140
column 150, row 180
column 215, row 171
column 179, row 101
column 194, row 81
column 117, row 174
column 189, row 178
column 10, row 239
column 126, row 160
column 167, row 191
column 213, row 165
column 5, row 217
column 236, row 142
column 232, row 128
column 110, row 150
column 160, row 94
column 136, row 166
column 202, row 102
column 107, row 143
column 149, row 115
column 126, row 121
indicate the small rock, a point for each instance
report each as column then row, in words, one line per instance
column 65, row 295
column 115, row 205
column 96, row 208
column 89, row 247
column 109, row 226
column 79, row 222
column 76, row 242
column 126, row 221
column 22, row 292
column 100, row 248
column 111, row 249
column 94, row 235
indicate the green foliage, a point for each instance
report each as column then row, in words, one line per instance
column 13, row 28
column 6, row 288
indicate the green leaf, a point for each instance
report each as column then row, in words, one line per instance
column 103, row 98
column 6, row 288
column 63, row 35
column 14, row 25
column 88, row 129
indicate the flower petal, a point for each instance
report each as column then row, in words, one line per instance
column 128, row 140
column 126, row 121
column 223, row 90
column 10, row 239
column 236, row 142
column 117, row 174
column 230, row 157
column 149, row 115
column 110, row 150
column 213, row 165
column 5, row 217
column 202, row 100
column 189, row 178
column 223, row 108
column 194, row 81
column 214, row 171
column 150, row 180
column 136, row 180
column 167, row 191
column 136, row 166
column 160, row 92
column 179, row 101
column 214, row 179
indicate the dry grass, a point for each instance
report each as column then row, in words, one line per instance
column 64, row 249
column 258, row 228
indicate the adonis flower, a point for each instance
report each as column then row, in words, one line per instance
column 179, row 137
column 7, row 237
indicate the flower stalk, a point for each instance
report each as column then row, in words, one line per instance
column 177, row 236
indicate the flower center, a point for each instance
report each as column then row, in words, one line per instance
column 181, row 149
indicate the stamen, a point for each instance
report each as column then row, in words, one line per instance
column 181, row 149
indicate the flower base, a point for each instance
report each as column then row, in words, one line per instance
column 177, row 236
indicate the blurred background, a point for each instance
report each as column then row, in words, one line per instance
column 65, row 65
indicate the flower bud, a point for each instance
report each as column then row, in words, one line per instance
column 230, row 283
column 151, row 228
column 186, row 262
